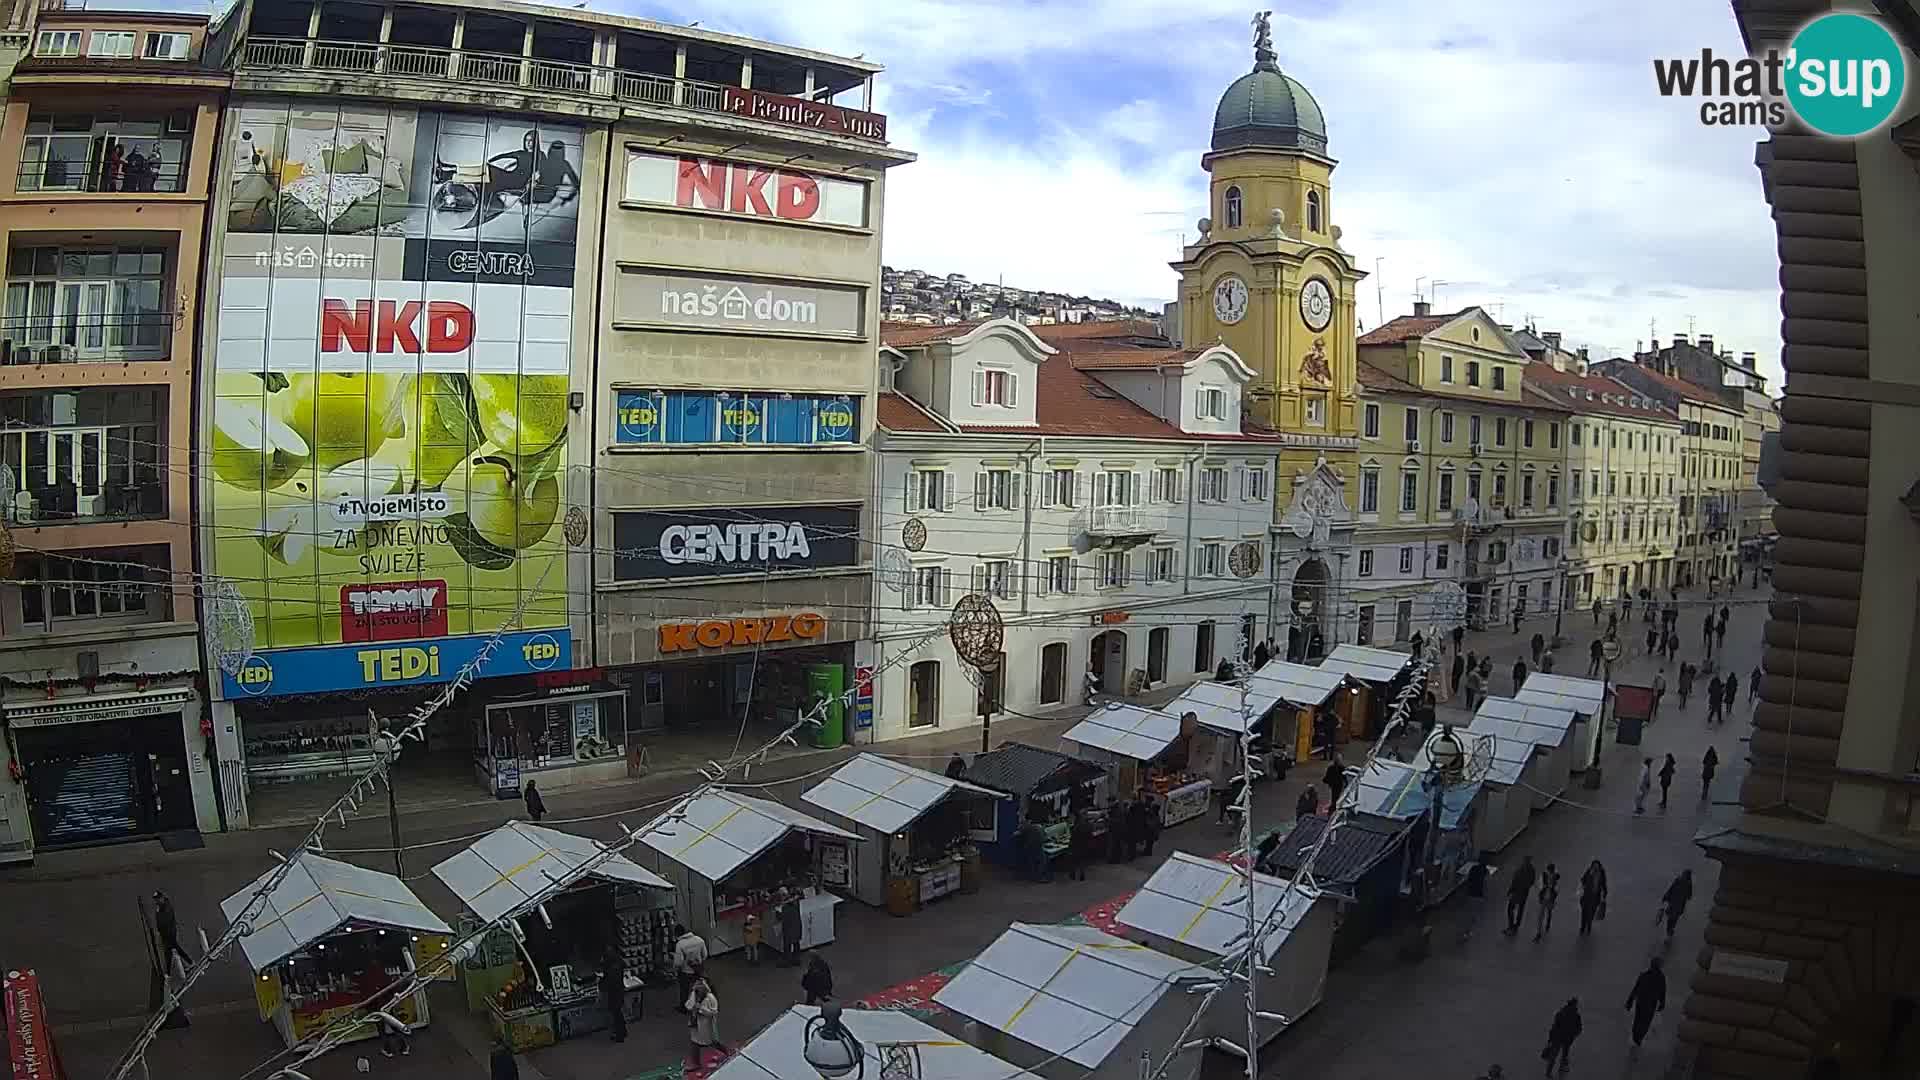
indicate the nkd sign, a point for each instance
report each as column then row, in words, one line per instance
column 701, row 301
column 728, row 541
column 749, row 189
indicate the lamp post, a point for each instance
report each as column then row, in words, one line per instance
column 835, row 1053
column 387, row 746
column 1560, row 607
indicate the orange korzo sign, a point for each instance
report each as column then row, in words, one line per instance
column 726, row 633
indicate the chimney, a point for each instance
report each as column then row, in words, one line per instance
column 1706, row 344
column 1422, row 308
column 1552, row 338
column 1747, row 361
column 1679, row 340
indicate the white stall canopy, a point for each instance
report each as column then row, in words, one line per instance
column 320, row 896
column 1388, row 789
column 1298, row 685
column 1068, row 990
column 778, row 1052
column 1217, row 706
column 1129, row 731
column 885, row 795
column 1583, row 696
column 1201, row 902
column 720, row 831
column 1544, row 724
column 1365, row 663
column 515, row 862
column 1511, row 750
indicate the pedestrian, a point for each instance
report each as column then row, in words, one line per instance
column 1308, row 804
column 1519, row 674
column 1565, row 1029
column 1459, row 669
column 1223, row 673
column 791, row 933
column 1673, row 902
column 1519, row 610
column 1517, row 892
column 1713, row 700
column 1539, row 644
column 1659, row 693
column 1593, row 895
column 1546, row 662
column 1473, row 661
column 613, row 993
column 703, row 1024
column 1653, row 640
column 1706, row 635
column 1486, row 667
column 1687, row 672
column 1667, row 770
column 1725, row 613
column 1613, row 623
column 1672, row 645
column 536, row 806
column 1648, row 996
column 1645, row 785
column 1459, row 636
column 1549, row 896
column 1596, row 611
column 1729, row 690
column 503, row 1066
column 1709, row 764
column 1476, row 687
column 1263, row 855
column 167, row 925
column 1261, row 655
column 1626, row 607
column 1150, row 824
column 956, row 767
column 1753, row 687
column 1720, row 634
column 817, row 983
column 1335, row 779
column 1030, row 841
column 689, row 961
column 1419, row 642
column 1079, row 846
column 750, row 937
column 1595, row 654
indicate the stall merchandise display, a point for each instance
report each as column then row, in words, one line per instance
column 940, row 878
column 284, row 750
column 1057, row 837
column 329, row 981
column 646, row 938
column 1182, row 796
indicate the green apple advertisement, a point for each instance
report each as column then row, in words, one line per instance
column 387, row 437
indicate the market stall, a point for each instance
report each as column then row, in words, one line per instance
column 1440, row 846
column 1374, row 679
column 1046, row 786
column 730, row 855
column 1222, row 713
column 918, row 826
column 1195, row 909
column 558, row 739
column 1551, row 731
column 331, row 936
column 1585, row 698
column 1144, row 750
column 1507, row 782
column 1309, row 690
column 892, row 1043
column 1360, row 866
column 549, row 987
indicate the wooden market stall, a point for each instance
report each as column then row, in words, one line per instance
column 1551, row 731
column 331, row 936
column 1309, row 690
column 778, row 1052
column 918, row 826
column 1144, row 750
column 1438, row 851
column 1360, row 866
column 730, row 855
column 1507, row 783
column 1046, row 787
column 1222, row 713
column 1373, row 676
column 1585, row 698
column 1195, row 909
column 547, row 989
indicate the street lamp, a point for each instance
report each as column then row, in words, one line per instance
column 1560, row 608
column 830, row 1048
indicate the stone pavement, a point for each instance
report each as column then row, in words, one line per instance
column 1480, row 997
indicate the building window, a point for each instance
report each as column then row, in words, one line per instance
column 1442, row 555
column 1526, row 434
column 932, row 587
column 168, row 46
column 1059, row 487
column 58, row 43
column 1203, row 647
column 1371, row 419
column 1212, row 404
column 111, row 44
column 1499, row 489
column 1053, row 673
column 1412, row 424
column 1366, row 562
column 1313, row 211
column 996, row 489
column 1553, row 436
column 1497, row 553
column 1233, row 208
column 1446, row 427
column 1406, row 560
column 107, row 303
column 1550, row 547
column 1256, row 485
column 1473, row 373
column 1363, row 628
column 96, row 585
column 1210, row 560
column 1526, row 489
column 926, row 490
column 1594, row 484
column 1499, row 376
column 1473, row 431
column 132, row 151
column 1113, row 569
column 82, row 454
column 1574, row 431
column 1166, row 485
column 1059, row 579
column 1613, row 439
column 1369, row 491
column 1499, row 431
column 1612, row 481
column 1446, row 491
column 1409, row 491
column 1116, row 487
column 995, row 386
column 1316, row 411
column 1213, row 484
column 1473, row 482
column 1553, row 491
column 995, row 577
column 1162, row 565
column 923, row 694
column 1446, row 368
column 1573, row 489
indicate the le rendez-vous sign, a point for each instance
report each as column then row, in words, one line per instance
column 799, row 112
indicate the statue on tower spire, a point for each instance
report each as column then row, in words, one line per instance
column 1263, row 54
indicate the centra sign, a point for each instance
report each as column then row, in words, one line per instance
column 758, row 542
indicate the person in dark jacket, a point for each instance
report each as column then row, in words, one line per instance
column 790, row 932
column 1263, row 855
column 1667, row 769
column 1753, row 685
column 1593, row 895
column 1335, row 779
column 613, row 993
column 1539, row 644
column 1308, row 804
column 167, row 925
column 504, row 1067
column 1729, row 690
column 1149, row 824
column 1648, row 996
column 1261, row 654
column 1713, row 700
column 536, row 806
column 956, row 767
column 1673, row 902
column 1519, row 674
column 1517, row 892
column 1230, row 795
column 1079, row 847
column 1459, row 669
column 1596, row 653
column 818, row 981
column 1706, row 634
column 1653, row 640
column 1223, row 673
column 1709, row 764
column 1560, row 1037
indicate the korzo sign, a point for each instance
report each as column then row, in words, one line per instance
column 724, row 541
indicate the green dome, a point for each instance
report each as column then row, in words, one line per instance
column 1265, row 108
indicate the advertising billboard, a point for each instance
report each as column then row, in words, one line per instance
column 387, row 440
column 745, row 188
column 733, row 541
column 734, row 418
column 685, row 301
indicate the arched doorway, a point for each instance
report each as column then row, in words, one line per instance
column 1108, row 660
column 1307, row 608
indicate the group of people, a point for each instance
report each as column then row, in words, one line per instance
column 1647, row 998
column 1709, row 764
column 1530, row 881
column 1129, row 830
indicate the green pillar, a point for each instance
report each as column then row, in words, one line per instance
column 829, row 681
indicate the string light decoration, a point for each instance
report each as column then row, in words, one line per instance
column 1243, row 559
column 575, row 528
column 977, row 632
column 913, row 535
column 227, row 624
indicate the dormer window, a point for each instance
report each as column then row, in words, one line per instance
column 995, row 386
column 1233, row 208
column 1212, row 404
column 168, row 46
column 1313, row 211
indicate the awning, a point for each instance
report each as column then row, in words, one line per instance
column 1201, row 902
column 1389, row 789
column 88, row 708
column 1366, row 664
column 1298, row 685
column 777, row 1052
column 1130, row 731
column 512, row 864
column 1217, row 705
column 885, row 795
column 1069, row 990
column 1583, row 696
column 721, row 831
column 1548, row 725
column 319, row 896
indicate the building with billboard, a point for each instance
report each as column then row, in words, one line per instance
column 106, row 167
column 478, row 327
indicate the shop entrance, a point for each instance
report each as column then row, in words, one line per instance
column 107, row 780
column 692, row 711
column 1053, row 673
column 1108, row 659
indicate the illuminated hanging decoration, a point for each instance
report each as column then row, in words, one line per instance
column 229, row 625
column 977, row 632
column 576, row 526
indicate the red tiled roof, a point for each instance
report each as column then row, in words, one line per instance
column 1101, row 330
column 1103, row 357
column 906, row 335
column 1375, row 379
column 1557, row 387
column 1678, row 386
column 898, row 413
column 1403, row 327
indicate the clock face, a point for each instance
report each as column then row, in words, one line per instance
column 1230, row 299
column 1316, row 304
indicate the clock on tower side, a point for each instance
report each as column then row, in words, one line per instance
column 1316, row 332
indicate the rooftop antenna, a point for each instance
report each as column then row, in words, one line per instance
column 1418, row 294
column 1435, row 286
column 1689, row 326
column 1379, row 294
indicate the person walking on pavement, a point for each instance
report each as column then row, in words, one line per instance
column 1685, row 687
column 1476, row 687
column 1459, row 636
column 1519, row 610
column 1546, row 662
column 1720, row 631
column 817, row 983
column 1673, row 902
column 956, row 766
column 1659, row 693
column 1667, row 770
column 703, row 1024
column 613, row 993
column 1565, row 1029
column 1335, row 779
column 1596, row 652
column 1706, row 636
column 1653, row 640
column 1079, row 847
column 1753, row 687
column 536, row 806
column 1596, row 611
column 1729, row 692
column 790, row 932
column 1308, row 804
column 1626, row 606
column 167, row 925
column 1645, row 785
column 1261, row 655
column 1713, row 701
column 1539, row 644
column 1517, row 892
column 1709, row 764
column 1549, row 896
column 689, row 962
column 1593, row 895
column 1519, row 674
column 1648, row 996
column 1459, row 669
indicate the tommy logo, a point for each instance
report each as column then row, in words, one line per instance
column 393, row 612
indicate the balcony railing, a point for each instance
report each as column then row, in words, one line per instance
column 66, row 503
column 139, row 177
column 552, row 76
column 77, row 337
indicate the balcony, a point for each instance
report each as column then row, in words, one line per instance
column 110, row 153
column 1124, row 526
column 93, row 304
column 80, row 457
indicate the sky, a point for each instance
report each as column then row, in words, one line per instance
column 1515, row 150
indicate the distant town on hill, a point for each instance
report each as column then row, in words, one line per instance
column 928, row 298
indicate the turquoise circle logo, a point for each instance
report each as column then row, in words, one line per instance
column 1846, row 75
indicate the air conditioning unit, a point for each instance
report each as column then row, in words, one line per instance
column 1475, row 449
column 1413, row 446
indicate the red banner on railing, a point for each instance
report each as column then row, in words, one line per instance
column 29, row 1041
column 798, row 112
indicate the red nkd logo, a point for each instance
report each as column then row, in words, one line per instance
column 390, row 326
column 742, row 189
